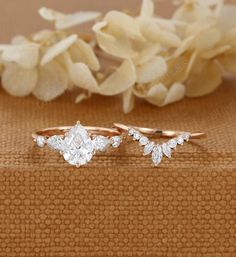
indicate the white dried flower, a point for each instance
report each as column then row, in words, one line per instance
column 159, row 60
column 65, row 21
column 45, row 74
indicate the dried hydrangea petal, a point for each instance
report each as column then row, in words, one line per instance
column 82, row 77
column 207, row 39
column 122, row 24
column 155, row 34
column 205, row 82
column 152, row 70
column 49, row 14
column 128, row 100
column 18, row 81
column 119, row 47
column 25, row 54
column 228, row 62
column 75, row 19
column 147, row 9
column 175, row 93
column 215, row 52
column 43, row 35
column 150, row 51
column 58, row 48
column 52, row 81
column 19, row 39
column 65, row 21
column 83, row 52
column 157, row 94
column 121, row 80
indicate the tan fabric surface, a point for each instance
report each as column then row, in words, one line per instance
column 119, row 205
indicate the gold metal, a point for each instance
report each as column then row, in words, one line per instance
column 158, row 132
column 61, row 131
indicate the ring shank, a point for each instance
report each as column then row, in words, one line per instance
column 61, row 131
column 158, row 132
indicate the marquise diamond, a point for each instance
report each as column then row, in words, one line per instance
column 180, row 140
column 101, row 143
column 55, row 143
column 157, row 155
column 166, row 150
column 148, row 148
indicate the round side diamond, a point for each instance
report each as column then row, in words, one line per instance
column 136, row 135
column 40, row 141
column 143, row 140
column 116, row 141
column 172, row 143
column 186, row 136
column 131, row 131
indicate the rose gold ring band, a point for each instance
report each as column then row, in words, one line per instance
column 158, row 132
column 60, row 131
column 116, row 130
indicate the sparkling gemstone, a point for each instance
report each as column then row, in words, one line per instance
column 136, row 135
column 172, row 143
column 166, row 150
column 148, row 148
column 55, row 142
column 116, row 141
column 180, row 140
column 101, row 143
column 131, row 131
column 157, row 155
column 40, row 141
column 186, row 136
column 77, row 146
column 143, row 140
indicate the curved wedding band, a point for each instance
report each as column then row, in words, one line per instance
column 157, row 151
column 157, row 132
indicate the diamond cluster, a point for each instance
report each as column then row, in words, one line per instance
column 77, row 147
column 158, row 151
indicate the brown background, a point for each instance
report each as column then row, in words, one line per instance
column 118, row 205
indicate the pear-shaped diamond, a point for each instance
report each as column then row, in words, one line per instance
column 166, row 150
column 148, row 148
column 157, row 155
column 78, row 148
